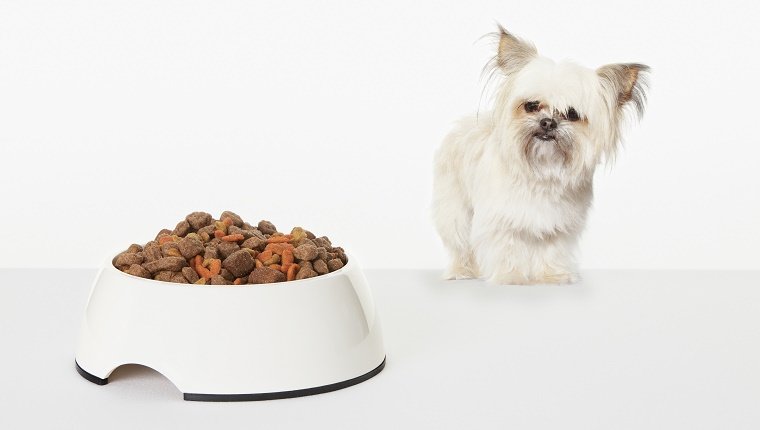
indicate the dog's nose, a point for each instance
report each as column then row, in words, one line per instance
column 548, row 124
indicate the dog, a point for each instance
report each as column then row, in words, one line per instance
column 512, row 187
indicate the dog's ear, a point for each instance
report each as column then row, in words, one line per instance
column 626, row 85
column 514, row 53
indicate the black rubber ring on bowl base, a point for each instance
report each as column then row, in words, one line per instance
column 89, row 376
column 283, row 394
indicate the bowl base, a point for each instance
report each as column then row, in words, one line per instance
column 197, row 397
column 89, row 376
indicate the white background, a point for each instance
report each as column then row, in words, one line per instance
column 118, row 118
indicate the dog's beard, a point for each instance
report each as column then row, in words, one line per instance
column 548, row 154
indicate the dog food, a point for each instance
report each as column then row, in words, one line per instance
column 229, row 251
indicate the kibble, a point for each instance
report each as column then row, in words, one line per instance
column 265, row 275
column 201, row 250
column 239, row 263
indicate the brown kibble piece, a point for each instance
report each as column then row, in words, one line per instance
column 173, row 264
column 236, row 220
column 134, row 248
column 226, row 274
column 206, row 232
column 255, row 243
column 179, row 278
column 190, row 274
column 341, row 254
column 305, row 252
column 219, row 280
column 307, row 241
column 152, row 252
column 211, row 252
column 236, row 230
column 163, row 232
column 321, row 267
column 166, row 250
column 334, row 264
column 190, row 247
column 137, row 270
column 198, row 220
column 226, row 249
column 265, row 275
column 239, row 263
column 323, row 242
column 267, row 227
column 182, row 228
column 164, row 275
column 306, row 272
column 127, row 259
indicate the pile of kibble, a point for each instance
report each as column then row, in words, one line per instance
column 229, row 251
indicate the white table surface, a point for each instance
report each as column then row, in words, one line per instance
column 621, row 350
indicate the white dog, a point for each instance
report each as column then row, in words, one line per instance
column 512, row 187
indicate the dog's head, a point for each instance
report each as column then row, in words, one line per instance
column 562, row 119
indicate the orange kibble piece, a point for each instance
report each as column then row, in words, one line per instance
column 165, row 239
column 203, row 272
column 219, row 234
column 215, row 267
column 237, row 281
column 227, row 221
column 276, row 248
column 259, row 263
column 287, row 257
column 233, row 237
column 276, row 267
column 292, row 271
column 264, row 256
column 280, row 239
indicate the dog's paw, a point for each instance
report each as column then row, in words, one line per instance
column 459, row 271
column 558, row 278
column 509, row 278
column 516, row 278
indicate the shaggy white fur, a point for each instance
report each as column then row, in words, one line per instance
column 512, row 186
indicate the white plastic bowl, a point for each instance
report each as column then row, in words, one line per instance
column 232, row 343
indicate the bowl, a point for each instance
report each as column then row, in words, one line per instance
column 233, row 343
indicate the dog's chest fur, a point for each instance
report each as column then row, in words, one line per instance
column 502, row 196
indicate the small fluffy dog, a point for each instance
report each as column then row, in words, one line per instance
column 512, row 187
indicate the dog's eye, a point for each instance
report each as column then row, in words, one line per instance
column 572, row 115
column 532, row 106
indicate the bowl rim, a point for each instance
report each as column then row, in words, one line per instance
column 349, row 264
